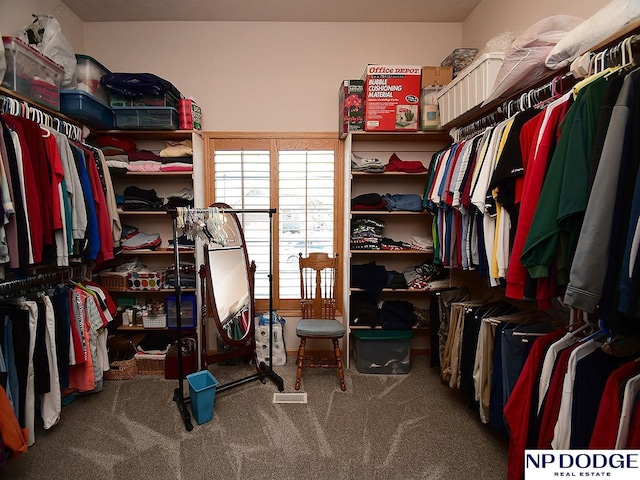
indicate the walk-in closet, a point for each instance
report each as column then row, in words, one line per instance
column 341, row 239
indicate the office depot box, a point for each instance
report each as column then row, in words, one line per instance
column 32, row 74
column 436, row 76
column 392, row 97
column 351, row 107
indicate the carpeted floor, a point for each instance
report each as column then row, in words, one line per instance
column 383, row 427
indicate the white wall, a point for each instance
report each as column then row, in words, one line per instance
column 16, row 14
column 261, row 76
column 248, row 76
column 492, row 17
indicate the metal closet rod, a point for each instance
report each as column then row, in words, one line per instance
column 231, row 210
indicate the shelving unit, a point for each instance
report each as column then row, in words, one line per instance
column 159, row 221
column 399, row 225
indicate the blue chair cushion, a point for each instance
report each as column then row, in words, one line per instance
column 319, row 328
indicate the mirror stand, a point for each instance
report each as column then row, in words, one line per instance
column 223, row 278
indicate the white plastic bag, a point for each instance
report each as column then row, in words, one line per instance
column 524, row 62
column 46, row 35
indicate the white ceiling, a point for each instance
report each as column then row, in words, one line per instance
column 273, row 10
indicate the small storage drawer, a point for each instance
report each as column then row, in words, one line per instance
column 32, row 74
column 146, row 118
column 383, row 351
column 86, row 109
column 88, row 74
column 188, row 311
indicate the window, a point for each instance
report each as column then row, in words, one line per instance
column 297, row 177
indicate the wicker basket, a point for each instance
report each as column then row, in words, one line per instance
column 114, row 281
column 122, row 370
column 150, row 364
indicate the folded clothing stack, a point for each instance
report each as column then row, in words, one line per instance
column 407, row 166
column 366, row 234
column 421, row 243
column 136, row 198
column 366, row 164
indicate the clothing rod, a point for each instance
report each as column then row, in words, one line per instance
column 59, row 276
column 230, row 210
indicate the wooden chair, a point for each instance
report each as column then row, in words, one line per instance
column 317, row 297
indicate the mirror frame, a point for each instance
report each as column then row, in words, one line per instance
column 212, row 310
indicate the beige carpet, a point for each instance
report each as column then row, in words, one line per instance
column 383, row 427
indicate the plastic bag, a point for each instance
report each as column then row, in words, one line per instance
column 46, row 35
column 607, row 21
column 524, row 62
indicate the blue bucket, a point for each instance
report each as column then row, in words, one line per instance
column 202, row 393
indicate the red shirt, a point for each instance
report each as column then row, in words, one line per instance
column 535, row 165
column 605, row 431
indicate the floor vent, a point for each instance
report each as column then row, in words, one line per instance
column 290, row 397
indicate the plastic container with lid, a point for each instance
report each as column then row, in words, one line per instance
column 32, row 74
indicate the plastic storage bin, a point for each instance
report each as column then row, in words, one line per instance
column 32, row 74
column 383, row 351
column 145, row 100
column 202, row 394
column 187, row 312
column 88, row 74
column 470, row 88
column 146, row 118
column 87, row 109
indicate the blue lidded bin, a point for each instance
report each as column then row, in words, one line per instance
column 202, row 393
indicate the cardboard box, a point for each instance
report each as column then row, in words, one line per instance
column 351, row 107
column 436, row 76
column 392, row 97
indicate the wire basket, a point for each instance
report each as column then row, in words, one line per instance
column 114, row 281
column 150, row 364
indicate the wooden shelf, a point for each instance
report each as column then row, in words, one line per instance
column 139, row 328
column 388, row 174
column 144, row 213
column 148, row 134
column 431, row 136
column 393, row 290
column 386, row 252
column 162, row 290
column 159, row 251
column 378, row 327
column 153, row 174
column 387, row 212
column 54, row 113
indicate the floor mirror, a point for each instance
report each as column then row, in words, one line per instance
column 227, row 278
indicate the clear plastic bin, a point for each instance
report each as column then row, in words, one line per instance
column 32, row 74
column 146, row 118
column 88, row 74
